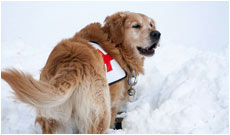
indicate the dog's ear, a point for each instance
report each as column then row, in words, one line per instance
column 114, row 26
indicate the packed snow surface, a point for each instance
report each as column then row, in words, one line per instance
column 185, row 86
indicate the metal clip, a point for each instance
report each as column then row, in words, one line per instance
column 132, row 82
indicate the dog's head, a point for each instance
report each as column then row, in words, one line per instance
column 133, row 31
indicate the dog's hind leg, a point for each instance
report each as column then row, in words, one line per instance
column 92, row 106
column 49, row 126
column 100, row 120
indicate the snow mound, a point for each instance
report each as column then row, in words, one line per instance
column 184, row 91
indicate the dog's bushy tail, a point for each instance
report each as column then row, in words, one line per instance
column 33, row 92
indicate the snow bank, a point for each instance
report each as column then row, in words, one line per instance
column 191, row 98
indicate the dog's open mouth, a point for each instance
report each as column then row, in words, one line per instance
column 149, row 51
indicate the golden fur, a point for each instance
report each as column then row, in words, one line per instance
column 73, row 86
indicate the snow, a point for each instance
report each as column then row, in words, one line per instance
column 190, row 99
column 186, row 83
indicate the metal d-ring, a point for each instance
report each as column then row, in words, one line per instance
column 130, row 79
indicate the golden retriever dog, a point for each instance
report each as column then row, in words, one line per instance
column 73, row 90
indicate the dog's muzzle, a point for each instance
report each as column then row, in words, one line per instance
column 149, row 51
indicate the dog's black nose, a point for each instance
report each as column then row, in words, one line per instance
column 155, row 35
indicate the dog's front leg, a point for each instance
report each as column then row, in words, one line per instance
column 113, row 116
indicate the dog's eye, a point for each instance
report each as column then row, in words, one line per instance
column 136, row 26
column 151, row 25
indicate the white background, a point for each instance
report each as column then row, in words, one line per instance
column 200, row 24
